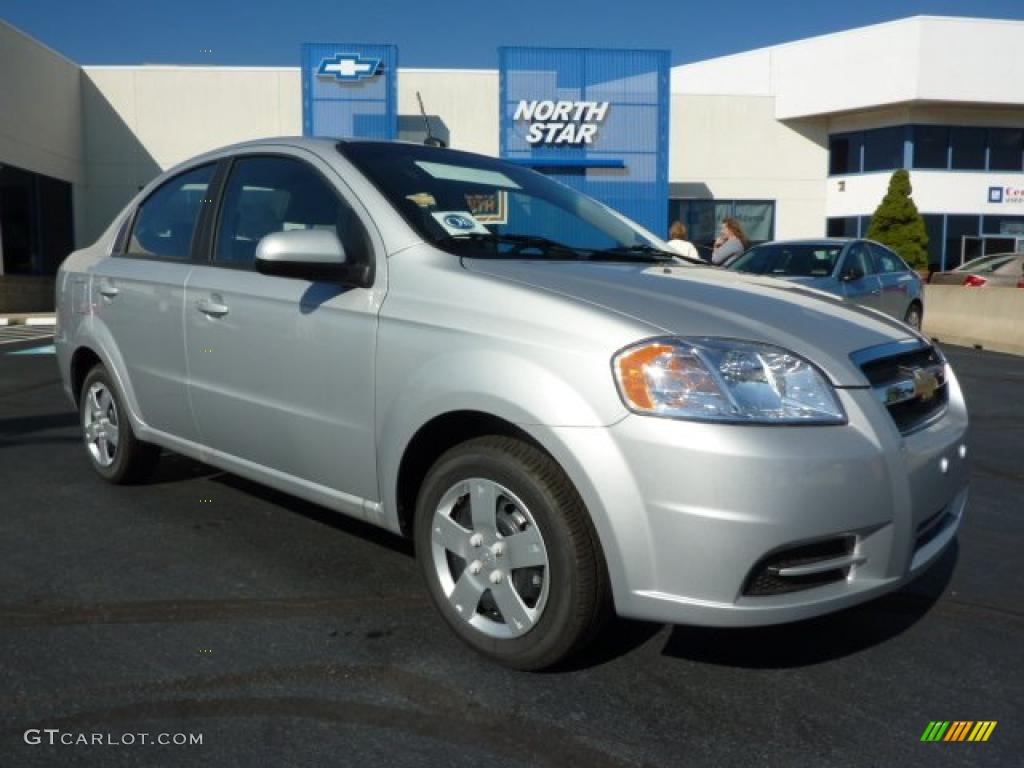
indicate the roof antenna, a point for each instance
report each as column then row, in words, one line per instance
column 431, row 140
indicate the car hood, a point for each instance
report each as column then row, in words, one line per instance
column 703, row 301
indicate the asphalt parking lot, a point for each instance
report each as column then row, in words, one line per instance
column 285, row 635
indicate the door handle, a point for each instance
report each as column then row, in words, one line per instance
column 211, row 308
column 108, row 290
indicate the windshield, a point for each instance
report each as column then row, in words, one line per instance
column 986, row 263
column 478, row 206
column 790, row 259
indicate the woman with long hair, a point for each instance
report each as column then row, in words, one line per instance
column 731, row 242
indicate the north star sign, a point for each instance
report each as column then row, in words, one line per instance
column 348, row 67
column 561, row 122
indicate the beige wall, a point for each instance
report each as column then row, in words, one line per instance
column 734, row 147
column 139, row 121
column 467, row 101
column 40, row 107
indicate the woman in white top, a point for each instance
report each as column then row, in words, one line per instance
column 679, row 242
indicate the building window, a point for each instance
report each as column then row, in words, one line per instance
column 35, row 222
column 842, row 226
column 1005, row 149
column 703, row 219
column 844, row 153
column 968, row 145
column 933, row 226
column 883, row 149
column 963, row 242
column 931, row 146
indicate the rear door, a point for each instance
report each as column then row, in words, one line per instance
column 866, row 289
column 140, row 292
column 897, row 281
column 282, row 369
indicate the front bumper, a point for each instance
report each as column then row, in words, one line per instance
column 685, row 511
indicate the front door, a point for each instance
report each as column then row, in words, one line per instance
column 282, row 369
column 865, row 289
column 138, row 295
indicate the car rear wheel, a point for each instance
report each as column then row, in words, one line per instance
column 509, row 554
column 913, row 316
column 114, row 451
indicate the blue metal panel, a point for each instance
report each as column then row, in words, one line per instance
column 625, row 164
column 350, row 90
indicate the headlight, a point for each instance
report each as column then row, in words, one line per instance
column 724, row 380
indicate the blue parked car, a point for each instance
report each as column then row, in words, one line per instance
column 862, row 271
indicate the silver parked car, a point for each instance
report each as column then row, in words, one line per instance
column 999, row 270
column 565, row 419
column 862, row 271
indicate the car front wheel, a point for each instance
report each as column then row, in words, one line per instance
column 913, row 316
column 509, row 554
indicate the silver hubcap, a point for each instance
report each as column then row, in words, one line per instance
column 100, row 422
column 490, row 558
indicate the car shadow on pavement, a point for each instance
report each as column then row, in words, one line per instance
column 336, row 520
column 23, row 425
column 820, row 639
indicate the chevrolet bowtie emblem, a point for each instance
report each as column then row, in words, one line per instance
column 926, row 384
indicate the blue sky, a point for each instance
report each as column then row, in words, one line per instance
column 445, row 33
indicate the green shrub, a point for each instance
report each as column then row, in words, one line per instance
column 898, row 224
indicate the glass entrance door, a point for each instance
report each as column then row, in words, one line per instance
column 970, row 248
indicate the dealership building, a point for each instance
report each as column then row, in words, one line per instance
column 795, row 140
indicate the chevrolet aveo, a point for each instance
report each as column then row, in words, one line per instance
column 565, row 419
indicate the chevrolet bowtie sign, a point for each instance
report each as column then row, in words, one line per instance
column 561, row 122
column 348, row 67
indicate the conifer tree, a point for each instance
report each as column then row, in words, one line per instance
column 898, row 224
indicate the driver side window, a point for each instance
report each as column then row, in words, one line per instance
column 858, row 258
column 267, row 194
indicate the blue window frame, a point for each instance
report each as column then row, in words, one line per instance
column 926, row 147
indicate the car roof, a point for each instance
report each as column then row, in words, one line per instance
column 825, row 241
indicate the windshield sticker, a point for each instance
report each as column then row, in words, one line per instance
column 422, row 199
column 469, row 175
column 489, row 208
column 460, row 223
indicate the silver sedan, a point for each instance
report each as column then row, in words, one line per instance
column 565, row 419
column 863, row 271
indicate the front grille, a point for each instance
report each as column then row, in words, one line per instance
column 765, row 577
column 887, row 369
column 895, row 381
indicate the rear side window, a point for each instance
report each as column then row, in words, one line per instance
column 886, row 260
column 166, row 220
column 269, row 194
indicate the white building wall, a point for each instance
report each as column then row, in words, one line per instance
column 728, row 147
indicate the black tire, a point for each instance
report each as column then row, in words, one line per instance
column 578, row 596
column 132, row 460
column 914, row 316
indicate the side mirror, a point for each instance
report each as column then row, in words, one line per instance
column 309, row 254
column 852, row 273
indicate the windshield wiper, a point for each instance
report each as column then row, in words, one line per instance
column 522, row 241
column 638, row 252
